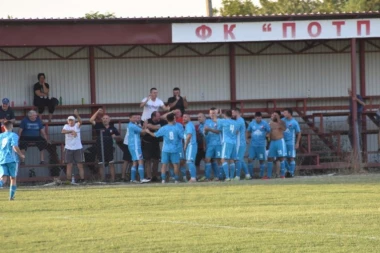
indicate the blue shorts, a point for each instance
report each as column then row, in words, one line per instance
column 191, row 152
column 136, row 153
column 257, row 153
column 290, row 151
column 213, row 151
column 167, row 158
column 228, row 151
column 277, row 148
column 9, row 169
column 240, row 152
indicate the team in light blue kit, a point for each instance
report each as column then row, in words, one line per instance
column 190, row 146
column 257, row 130
column 292, row 130
column 240, row 145
column 134, row 145
column 9, row 158
column 172, row 136
column 213, row 145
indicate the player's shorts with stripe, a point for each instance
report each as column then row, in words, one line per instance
column 9, row 169
column 167, row 158
column 290, row 151
column 213, row 151
column 277, row 148
column 257, row 153
column 136, row 153
column 228, row 151
column 191, row 152
column 240, row 152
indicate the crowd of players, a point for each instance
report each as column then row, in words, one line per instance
column 224, row 138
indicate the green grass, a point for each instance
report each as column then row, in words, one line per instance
column 319, row 214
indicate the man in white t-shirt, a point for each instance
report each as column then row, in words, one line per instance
column 73, row 146
column 152, row 104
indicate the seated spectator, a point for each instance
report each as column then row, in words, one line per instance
column 41, row 97
column 32, row 132
column 6, row 113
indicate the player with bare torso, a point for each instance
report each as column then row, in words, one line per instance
column 277, row 147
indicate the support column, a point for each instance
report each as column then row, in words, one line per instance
column 363, row 94
column 92, row 74
column 355, row 134
column 232, row 60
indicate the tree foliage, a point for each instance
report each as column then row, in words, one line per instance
column 247, row 7
column 97, row 15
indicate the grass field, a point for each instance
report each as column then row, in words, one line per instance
column 316, row 214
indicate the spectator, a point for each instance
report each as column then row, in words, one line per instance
column 177, row 102
column 127, row 158
column 6, row 113
column 73, row 146
column 41, row 97
column 151, row 145
column 201, row 153
column 152, row 103
column 360, row 106
column 110, row 133
column 32, row 132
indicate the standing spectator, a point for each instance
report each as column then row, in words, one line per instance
column 110, row 133
column 151, row 104
column 73, row 146
column 32, row 132
column 41, row 97
column 201, row 153
column 6, row 113
column 151, row 145
column 177, row 102
column 8, row 158
column 127, row 158
column 360, row 106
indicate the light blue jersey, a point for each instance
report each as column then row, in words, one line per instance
column 229, row 129
column 134, row 135
column 181, row 130
column 240, row 141
column 190, row 129
column 8, row 140
column 172, row 135
column 258, row 133
column 292, row 129
column 212, row 139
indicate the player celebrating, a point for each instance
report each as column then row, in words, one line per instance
column 277, row 147
column 240, row 145
column 8, row 159
column 134, row 146
column 292, row 128
column 172, row 135
column 257, row 131
column 229, row 130
column 190, row 147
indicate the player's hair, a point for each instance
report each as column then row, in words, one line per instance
column 170, row 117
column 176, row 88
column 39, row 75
column 228, row 113
column 289, row 110
column 8, row 125
column 237, row 109
column 212, row 108
column 258, row 114
column 133, row 114
column 153, row 114
column 152, row 89
column 278, row 112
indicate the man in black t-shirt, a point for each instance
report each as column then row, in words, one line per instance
column 151, row 146
column 6, row 113
column 110, row 134
column 177, row 102
column 41, row 97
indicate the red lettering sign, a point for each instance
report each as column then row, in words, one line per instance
column 310, row 29
column 203, row 32
column 292, row 27
column 338, row 25
column 360, row 23
column 228, row 31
